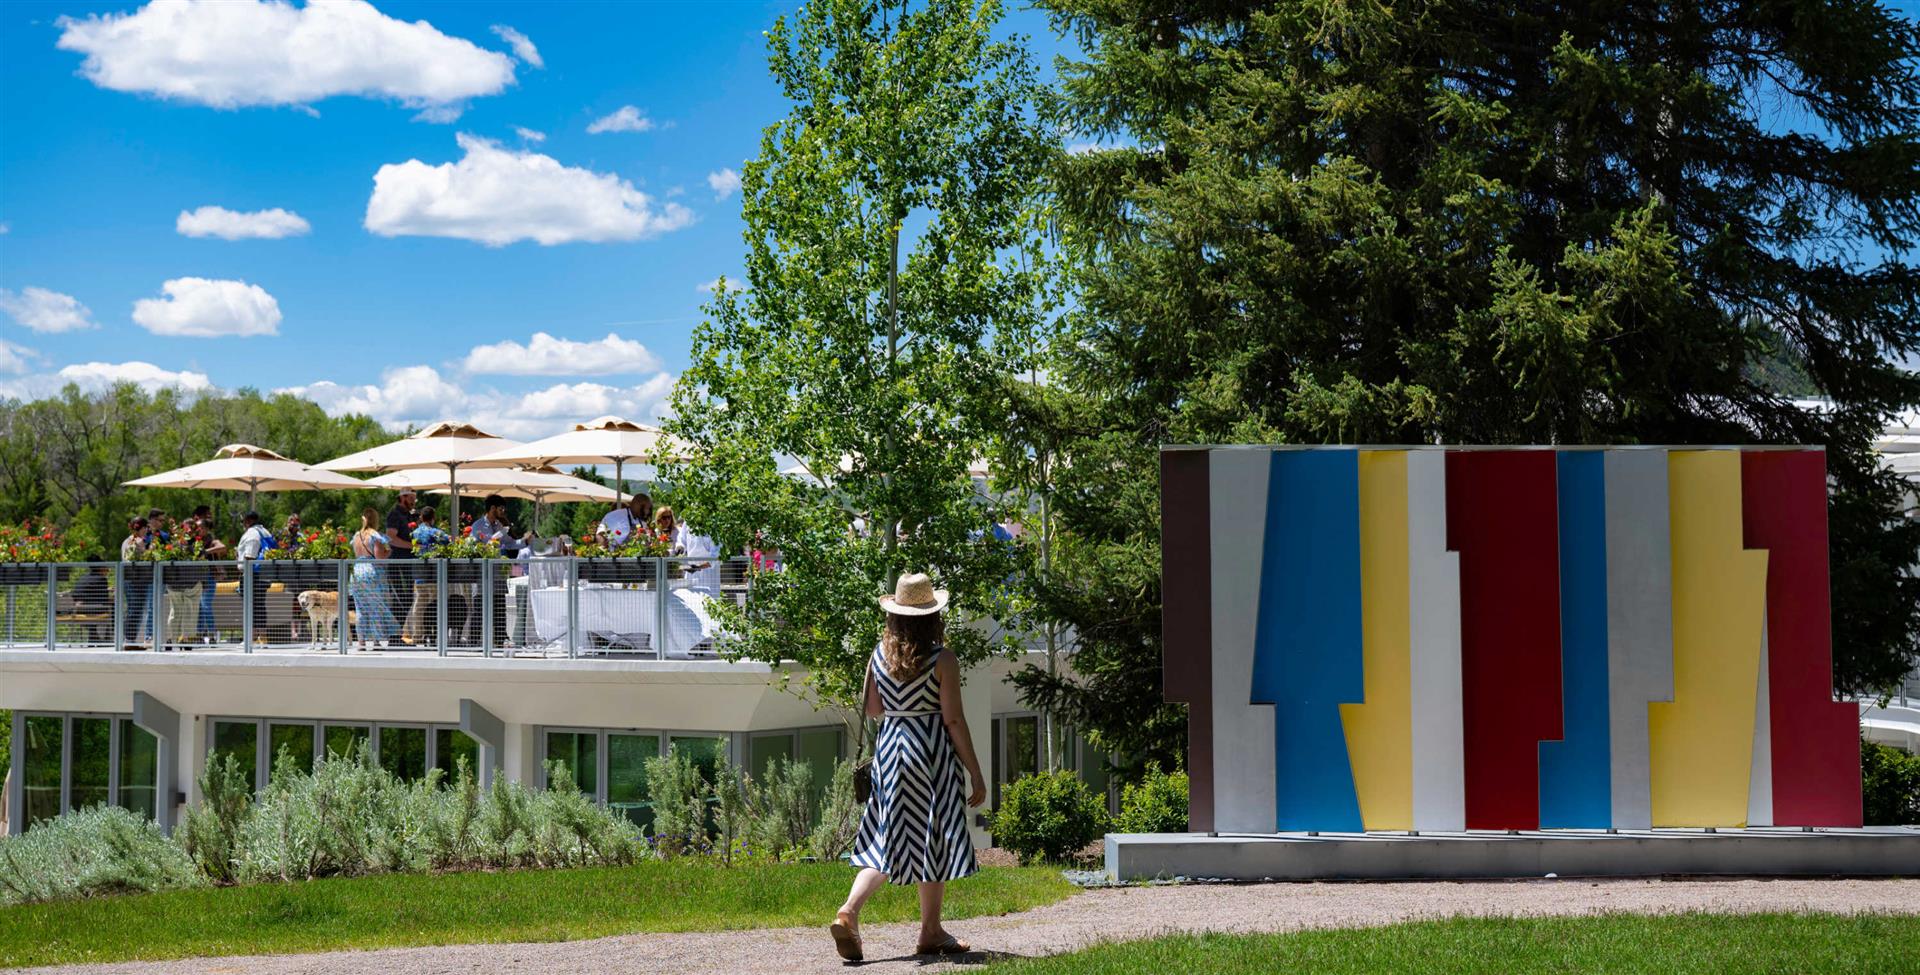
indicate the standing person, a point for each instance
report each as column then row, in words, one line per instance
column 157, row 524
column 493, row 527
column 368, row 585
column 401, row 521
column 138, row 578
column 702, row 576
column 254, row 542
column 914, row 829
column 619, row 525
column 290, row 535
column 426, row 537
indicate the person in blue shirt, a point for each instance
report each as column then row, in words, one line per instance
column 426, row 535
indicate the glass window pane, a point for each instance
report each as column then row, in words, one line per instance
column 239, row 739
column 92, row 756
column 450, row 745
column 820, row 750
column 344, row 740
column 577, row 750
column 139, row 770
column 705, row 752
column 627, row 776
column 763, row 750
column 403, row 752
column 295, row 741
column 41, row 753
column 1023, row 747
column 1093, row 766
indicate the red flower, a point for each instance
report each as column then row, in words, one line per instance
column 467, row 530
column 340, row 539
column 413, row 524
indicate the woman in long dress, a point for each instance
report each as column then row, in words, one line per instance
column 914, row 828
column 368, row 583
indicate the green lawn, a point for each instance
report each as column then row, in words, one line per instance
column 1706, row 944
column 532, row 905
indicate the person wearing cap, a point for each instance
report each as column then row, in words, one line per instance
column 914, row 827
column 253, row 546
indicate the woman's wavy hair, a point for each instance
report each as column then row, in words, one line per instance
column 909, row 642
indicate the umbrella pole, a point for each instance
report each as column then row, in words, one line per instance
column 618, row 484
column 453, row 490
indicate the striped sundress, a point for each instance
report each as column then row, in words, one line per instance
column 914, row 828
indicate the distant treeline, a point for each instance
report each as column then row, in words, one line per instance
column 66, row 459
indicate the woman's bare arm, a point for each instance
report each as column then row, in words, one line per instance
column 871, row 696
column 955, row 717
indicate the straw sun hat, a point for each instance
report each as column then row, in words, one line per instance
column 914, row 595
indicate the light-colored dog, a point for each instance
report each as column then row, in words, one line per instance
column 323, row 615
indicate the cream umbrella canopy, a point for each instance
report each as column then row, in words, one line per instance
column 443, row 446
column 607, row 440
column 245, row 467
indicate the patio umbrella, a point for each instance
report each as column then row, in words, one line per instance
column 539, row 485
column 244, row 467
column 444, row 445
column 607, row 440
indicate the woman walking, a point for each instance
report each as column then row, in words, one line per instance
column 368, row 584
column 914, row 829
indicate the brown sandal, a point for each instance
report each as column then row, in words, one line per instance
column 845, row 941
column 951, row 946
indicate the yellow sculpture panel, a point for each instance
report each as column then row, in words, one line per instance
column 1380, row 731
column 1702, row 742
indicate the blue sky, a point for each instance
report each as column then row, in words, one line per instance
column 382, row 309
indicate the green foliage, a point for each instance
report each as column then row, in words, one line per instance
column 1474, row 223
column 1724, row 944
column 477, row 907
column 210, row 832
column 1048, row 817
column 1889, row 785
column 780, row 808
column 895, row 259
column 840, row 814
column 27, row 542
column 464, row 547
column 1155, row 804
column 92, row 853
column 681, row 796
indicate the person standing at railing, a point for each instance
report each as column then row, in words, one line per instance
column 620, row 524
column 368, row 586
column 254, row 543
column 426, row 537
column 139, row 581
column 493, row 527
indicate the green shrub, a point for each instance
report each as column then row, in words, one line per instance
column 1155, row 804
column 1048, row 817
column 1889, row 785
column 839, row 816
column 680, row 800
column 210, row 831
column 780, row 809
column 93, row 852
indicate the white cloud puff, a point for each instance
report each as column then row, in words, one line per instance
column 16, row 359
column 103, row 375
column 544, row 355
column 724, row 183
column 497, row 196
column 714, row 285
column 626, row 119
column 418, row 395
column 529, row 135
column 213, row 221
column 522, row 45
column 41, row 310
column 236, row 53
column 207, row 308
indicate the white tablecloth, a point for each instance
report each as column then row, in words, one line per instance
column 623, row 616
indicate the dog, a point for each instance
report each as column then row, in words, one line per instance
column 323, row 615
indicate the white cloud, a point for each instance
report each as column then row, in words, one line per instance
column 544, row 355
column 233, row 53
column 16, row 359
column 102, row 375
column 714, row 285
column 206, row 308
column 626, row 119
column 724, row 183
column 42, row 310
column 418, row 395
column 212, row 221
column 497, row 196
column 522, row 45
column 530, row 135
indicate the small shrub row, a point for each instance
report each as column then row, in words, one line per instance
column 1051, row 816
column 738, row 815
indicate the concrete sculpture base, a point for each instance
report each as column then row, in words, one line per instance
column 1771, row 851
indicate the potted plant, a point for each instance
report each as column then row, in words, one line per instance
column 25, row 549
column 630, row 561
column 299, row 565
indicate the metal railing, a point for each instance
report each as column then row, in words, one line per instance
column 659, row 608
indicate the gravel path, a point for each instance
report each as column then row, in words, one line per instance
column 1076, row 922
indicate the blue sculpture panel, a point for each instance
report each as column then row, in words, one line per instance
column 1574, row 771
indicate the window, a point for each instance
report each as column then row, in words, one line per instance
column 450, row 745
column 577, row 756
column 402, row 751
column 627, row 794
column 703, row 750
column 76, row 761
column 241, row 740
column 344, row 741
column 1016, row 745
column 406, row 750
column 763, row 750
column 817, row 748
column 291, row 743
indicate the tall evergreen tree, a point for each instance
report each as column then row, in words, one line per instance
column 1469, row 222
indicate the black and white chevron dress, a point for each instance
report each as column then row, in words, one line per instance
column 914, row 828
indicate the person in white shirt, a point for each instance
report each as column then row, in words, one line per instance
column 253, row 545
column 619, row 524
column 702, row 576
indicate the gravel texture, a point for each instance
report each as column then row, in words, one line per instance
column 1099, row 915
